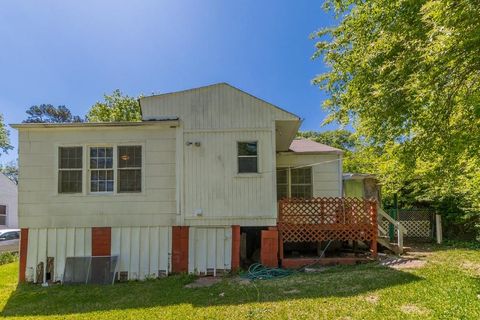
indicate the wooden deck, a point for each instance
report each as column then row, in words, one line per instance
column 324, row 219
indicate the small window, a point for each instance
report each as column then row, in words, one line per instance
column 247, row 157
column 3, row 215
column 70, row 169
column 301, row 182
column 282, row 183
column 101, row 169
column 130, row 169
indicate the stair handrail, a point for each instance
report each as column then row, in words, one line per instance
column 401, row 230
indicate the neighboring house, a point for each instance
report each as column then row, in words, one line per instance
column 361, row 185
column 172, row 193
column 8, row 203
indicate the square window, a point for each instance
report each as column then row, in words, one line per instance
column 247, row 157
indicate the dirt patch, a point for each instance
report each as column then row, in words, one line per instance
column 414, row 309
column 472, row 267
column 373, row 299
column 204, row 282
column 399, row 263
column 293, row 291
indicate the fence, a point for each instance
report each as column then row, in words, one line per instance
column 322, row 219
column 420, row 223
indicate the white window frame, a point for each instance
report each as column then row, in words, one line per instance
column 116, row 182
column 89, row 169
column 289, row 180
column 257, row 156
column 58, row 169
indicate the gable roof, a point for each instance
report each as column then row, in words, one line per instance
column 220, row 84
column 310, row 146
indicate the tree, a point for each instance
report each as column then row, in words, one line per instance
column 10, row 170
column 341, row 139
column 406, row 75
column 47, row 113
column 4, row 139
column 115, row 107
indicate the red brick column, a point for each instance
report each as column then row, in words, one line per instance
column 269, row 248
column 101, row 241
column 235, row 247
column 179, row 249
column 23, row 254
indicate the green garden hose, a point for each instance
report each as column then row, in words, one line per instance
column 258, row 271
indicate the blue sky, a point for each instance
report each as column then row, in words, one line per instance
column 72, row 52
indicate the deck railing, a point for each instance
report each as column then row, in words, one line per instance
column 323, row 219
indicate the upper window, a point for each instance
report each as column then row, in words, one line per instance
column 70, row 169
column 247, row 157
column 130, row 169
column 3, row 215
column 301, row 183
column 101, row 169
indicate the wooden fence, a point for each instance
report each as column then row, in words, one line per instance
column 323, row 219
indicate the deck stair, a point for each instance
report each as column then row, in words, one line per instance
column 383, row 236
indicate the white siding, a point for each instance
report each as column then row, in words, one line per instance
column 326, row 169
column 58, row 243
column 145, row 252
column 210, row 250
column 41, row 206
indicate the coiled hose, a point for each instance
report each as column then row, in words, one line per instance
column 258, row 271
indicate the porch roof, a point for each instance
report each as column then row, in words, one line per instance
column 310, row 146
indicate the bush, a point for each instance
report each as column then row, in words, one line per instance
column 8, row 257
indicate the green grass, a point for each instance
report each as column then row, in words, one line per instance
column 447, row 287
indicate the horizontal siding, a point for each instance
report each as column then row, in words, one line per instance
column 41, row 206
column 326, row 171
column 215, row 107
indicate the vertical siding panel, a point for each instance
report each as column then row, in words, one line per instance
column 116, row 242
column 70, row 247
column 164, row 243
column 125, row 244
column 202, row 250
column 228, row 248
column 79, row 242
column 191, row 249
column 220, row 248
column 144, row 252
column 87, row 249
column 211, row 248
column 61, row 249
column 134, row 253
column 42, row 249
column 154, row 251
column 32, row 253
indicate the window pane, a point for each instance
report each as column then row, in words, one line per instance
column 130, row 180
column 130, row 157
column 101, row 181
column 282, row 191
column 247, row 165
column 101, row 158
column 282, row 174
column 247, row 148
column 302, row 176
column 3, row 210
column 70, row 181
column 70, row 158
column 3, row 220
column 302, row 191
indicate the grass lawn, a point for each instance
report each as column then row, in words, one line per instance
column 447, row 286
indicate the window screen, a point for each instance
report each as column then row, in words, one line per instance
column 101, row 169
column 247, row 157
column 130, row 169
column 301, row 182
column 70, row 169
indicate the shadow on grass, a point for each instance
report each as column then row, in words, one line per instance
column 33, row 300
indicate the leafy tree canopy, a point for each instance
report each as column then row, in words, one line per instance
column 4, row 139
column 115, row 107
column 406, row 76
column 47, row 113
column 10, row 170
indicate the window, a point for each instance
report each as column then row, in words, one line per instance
column 301, row 183
column 294, row 183
column 130, row 169
column 247, row 157
column 101, row 169
column 70, row 169
column 282, row 183
column 3, row 215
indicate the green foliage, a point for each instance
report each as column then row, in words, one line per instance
column 406, row 75
column 10, row 170
column 47, row 113
column 341, row 139
column 8, row 257
column 4, row 139
column 115, row 107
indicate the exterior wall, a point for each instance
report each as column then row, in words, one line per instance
column 144, row 251
column 9, row 198
column 327, row 171
column 40, row 205
column 58, row 243
column 210, row 250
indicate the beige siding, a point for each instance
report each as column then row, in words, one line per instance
column 210, row 250
column 213, row 185
column 41, row 206
column 214, row 107
column 327, row 177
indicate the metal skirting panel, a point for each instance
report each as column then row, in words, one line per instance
column 56, row 243
column 145, row 252
column 209, row 250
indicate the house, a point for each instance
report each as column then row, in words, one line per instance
column 361, row 185
column 8, row 203
column 188, row 189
